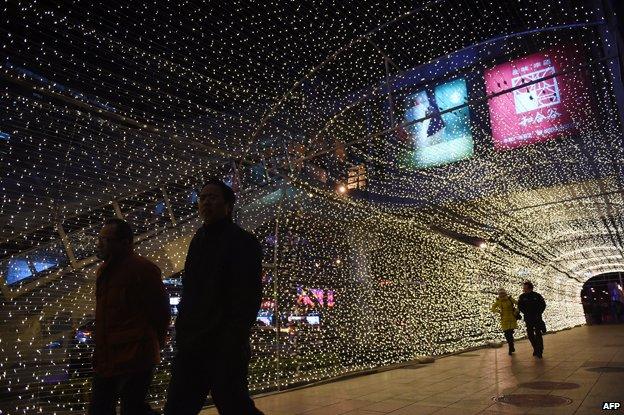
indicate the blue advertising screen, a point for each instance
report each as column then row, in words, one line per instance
column 441, row 138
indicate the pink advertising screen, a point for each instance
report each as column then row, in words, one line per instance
column 552, row 104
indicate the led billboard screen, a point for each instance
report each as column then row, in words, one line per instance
column 555, row 99
column 442, row 137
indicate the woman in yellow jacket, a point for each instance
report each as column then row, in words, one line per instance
column 506, row 307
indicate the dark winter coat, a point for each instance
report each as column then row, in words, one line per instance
column 221, row 287
column 532, row 305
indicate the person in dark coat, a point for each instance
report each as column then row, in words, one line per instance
column 532, row 305
column 221, row 296
column 131, row 319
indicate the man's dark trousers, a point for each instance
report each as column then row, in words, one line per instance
column 220, row 369
column 534, row 332
column 130, row 389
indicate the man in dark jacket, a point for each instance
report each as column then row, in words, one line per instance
column 131, row 319
column 221, row 295
column 532, row 305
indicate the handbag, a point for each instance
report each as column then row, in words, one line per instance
column 515, row 311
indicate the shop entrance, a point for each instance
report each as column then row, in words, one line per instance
column 603, row 299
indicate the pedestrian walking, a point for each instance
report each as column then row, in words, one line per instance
column 506, row 307
column 221, row 295
column 532, row 306
column 131, row 320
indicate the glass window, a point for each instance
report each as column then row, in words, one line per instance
column 43, row 259
column 49, row 257
column 84, row 242
column 16, row 270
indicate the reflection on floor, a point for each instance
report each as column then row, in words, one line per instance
column 580, row 371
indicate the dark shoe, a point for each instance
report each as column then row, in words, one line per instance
column 512, row 348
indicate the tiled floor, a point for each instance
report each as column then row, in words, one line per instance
column 466, row 384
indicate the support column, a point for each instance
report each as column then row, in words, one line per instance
column 276, row 291
column 237, row 177
column 168, row 206
column 67, row 245
column 389, row 91
column 118, row 212
column 613, row 45
column 290, row 166
column 390, row 98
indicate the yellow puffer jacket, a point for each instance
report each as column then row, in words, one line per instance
column 505, row 308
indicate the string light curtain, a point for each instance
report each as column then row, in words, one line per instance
column 119, row 109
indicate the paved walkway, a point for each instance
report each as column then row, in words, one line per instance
column 467, row 383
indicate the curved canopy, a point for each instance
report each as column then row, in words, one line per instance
column 399, row 163
column 104, row 101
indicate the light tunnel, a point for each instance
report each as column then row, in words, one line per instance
column 399, row 165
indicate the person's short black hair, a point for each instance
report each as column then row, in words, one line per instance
column 228, row 193
column 123, row 230
column 528, row 284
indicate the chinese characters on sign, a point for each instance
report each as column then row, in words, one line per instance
column 547, row 107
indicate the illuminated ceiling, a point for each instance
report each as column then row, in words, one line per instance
column 104, row 99
column 110, row 106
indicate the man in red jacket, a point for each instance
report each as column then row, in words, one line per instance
column 131, row 319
